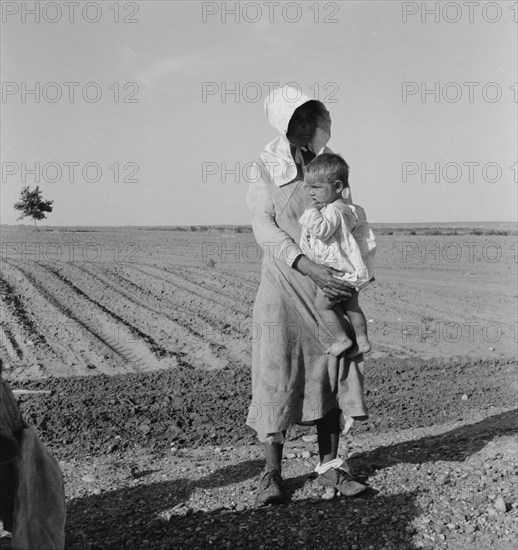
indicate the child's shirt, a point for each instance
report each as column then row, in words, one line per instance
column 340, row 237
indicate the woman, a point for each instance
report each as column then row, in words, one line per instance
column 293, row 379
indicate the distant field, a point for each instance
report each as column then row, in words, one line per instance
column 459, row 228
column 113, row 300
column 446, row 228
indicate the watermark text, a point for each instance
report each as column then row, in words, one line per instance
column 458, row 172
column 270, row 12
column 69, row 92
column 455, row 92
column 69, row 172
column 70, row 12
column 455, row 12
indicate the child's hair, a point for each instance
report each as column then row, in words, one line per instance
column 330, row 167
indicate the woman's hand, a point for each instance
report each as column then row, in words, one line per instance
column 325, row 277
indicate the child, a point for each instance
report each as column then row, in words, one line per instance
column 336, row 233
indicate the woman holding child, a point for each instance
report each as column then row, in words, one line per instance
column 293, row 379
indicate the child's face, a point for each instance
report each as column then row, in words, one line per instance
column 323, row 192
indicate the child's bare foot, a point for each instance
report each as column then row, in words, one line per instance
column 338, row 348
column 362, row 346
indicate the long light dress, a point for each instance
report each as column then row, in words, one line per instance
column 293, row 380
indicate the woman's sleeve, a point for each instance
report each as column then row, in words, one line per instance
column 321, row 224
column 274, row 242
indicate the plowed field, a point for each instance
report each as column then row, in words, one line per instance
column 143, row 336
column 113, row 301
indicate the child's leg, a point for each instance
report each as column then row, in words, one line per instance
column 359, row 324
column 332, row 317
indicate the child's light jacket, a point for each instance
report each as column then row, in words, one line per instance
column 340, row 237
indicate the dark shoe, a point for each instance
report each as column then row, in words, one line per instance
column 270, row 490
column 342, row 481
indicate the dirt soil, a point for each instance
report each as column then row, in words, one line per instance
column 90, row 301
column 144, row 339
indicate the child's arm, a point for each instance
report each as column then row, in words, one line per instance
column 321, row 224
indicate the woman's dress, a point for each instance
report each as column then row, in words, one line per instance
column 293, row 379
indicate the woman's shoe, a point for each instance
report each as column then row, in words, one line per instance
column 270, row 490
column 342, row 481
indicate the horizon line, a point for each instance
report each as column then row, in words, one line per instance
column 514, row 222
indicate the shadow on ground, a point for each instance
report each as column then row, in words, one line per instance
column 128, row 518
column 456, row 445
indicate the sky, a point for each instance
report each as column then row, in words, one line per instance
column 149, row 113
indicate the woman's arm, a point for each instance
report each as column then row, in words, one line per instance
column 275, row 242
